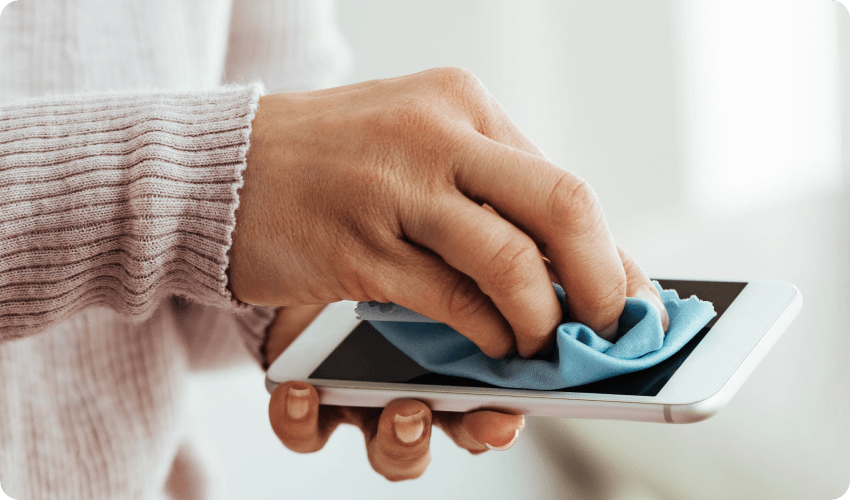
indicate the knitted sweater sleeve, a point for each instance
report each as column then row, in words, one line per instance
column 121, row 200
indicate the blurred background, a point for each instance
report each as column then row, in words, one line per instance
column 712, row 133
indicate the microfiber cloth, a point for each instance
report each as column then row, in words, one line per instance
column 579, row 357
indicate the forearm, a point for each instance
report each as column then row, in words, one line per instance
column 118, row 200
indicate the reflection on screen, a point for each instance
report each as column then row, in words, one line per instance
column 366, row 356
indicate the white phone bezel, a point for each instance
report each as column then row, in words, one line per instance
column 704, row 383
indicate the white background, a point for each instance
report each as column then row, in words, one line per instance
column 711, row 133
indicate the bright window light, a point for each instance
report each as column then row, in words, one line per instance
column 760, row 102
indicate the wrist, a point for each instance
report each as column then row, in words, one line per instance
column 240, row 271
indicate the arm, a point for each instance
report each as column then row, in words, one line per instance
column 118, row 200
column 298, row 46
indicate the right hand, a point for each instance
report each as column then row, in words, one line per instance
column 374, row 191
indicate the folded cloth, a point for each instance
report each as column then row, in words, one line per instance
column 579, row 357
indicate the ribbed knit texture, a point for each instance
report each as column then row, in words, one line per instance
column 121, row 157
column 118, row 200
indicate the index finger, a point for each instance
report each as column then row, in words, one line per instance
column 562, row 215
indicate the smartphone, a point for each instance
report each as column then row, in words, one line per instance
column 351, row 364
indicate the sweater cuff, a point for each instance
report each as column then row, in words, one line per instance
column 254, row 327
column 119, row 200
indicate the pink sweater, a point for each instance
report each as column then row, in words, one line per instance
column 121, row 157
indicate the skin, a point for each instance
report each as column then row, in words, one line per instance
column 417, row 190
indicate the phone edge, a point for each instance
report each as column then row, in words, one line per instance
column 701, row 410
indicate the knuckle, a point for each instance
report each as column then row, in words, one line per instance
column 464, row 299
column 455, row 78
column 573, row 205
column 462, row 86
column 630, row 267
column 424, row 126
column 608, row 305
column 511, row 267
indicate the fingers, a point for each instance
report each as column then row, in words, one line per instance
column 294, row 416
column 561, row 213
column 399, row 446
column 423, row 282
column 481, row 430
column 504, row 262
column 641, row 287
column 397, row 438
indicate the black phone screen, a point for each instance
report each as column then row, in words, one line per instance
column 366, row 356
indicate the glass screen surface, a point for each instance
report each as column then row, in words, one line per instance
column 366, row 356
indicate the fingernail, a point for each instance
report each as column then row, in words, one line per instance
column 610, row 331
column 647, row 295
column 409, row 429
column 504, row 446
column 297, row 403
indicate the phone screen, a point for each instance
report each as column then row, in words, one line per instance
column 366, row 356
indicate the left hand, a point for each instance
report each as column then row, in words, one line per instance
column 397, row 437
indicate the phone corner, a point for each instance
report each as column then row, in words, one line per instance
column 693, row 412
column 271, row 385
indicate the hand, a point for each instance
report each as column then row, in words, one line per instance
column 375, row 191
column 397, row 437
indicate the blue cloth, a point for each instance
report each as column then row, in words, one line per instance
column 579, row 357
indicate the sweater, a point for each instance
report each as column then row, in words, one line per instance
column 124, row 128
